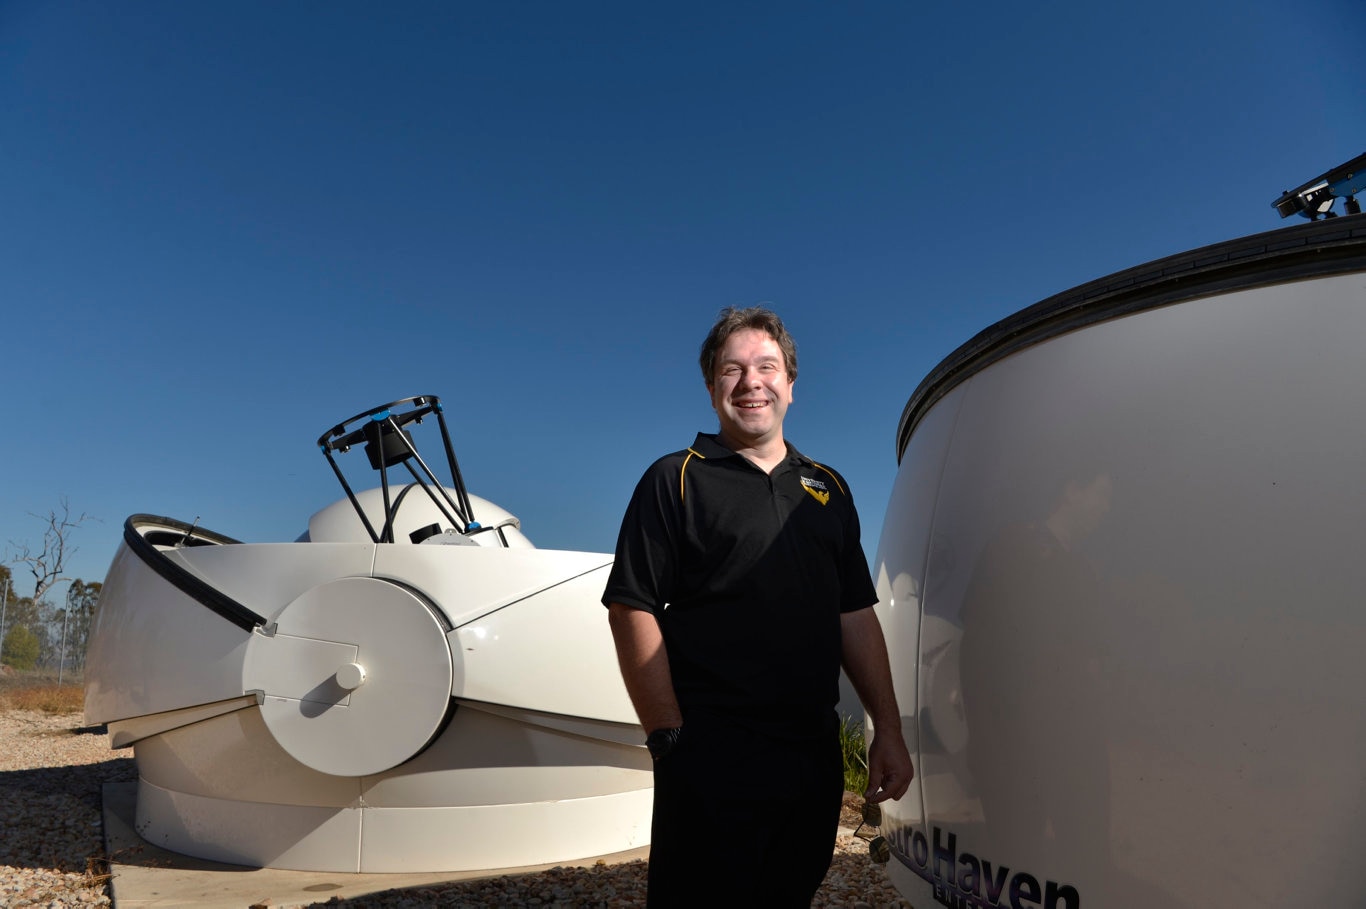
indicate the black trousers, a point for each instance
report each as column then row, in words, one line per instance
column 741, row 819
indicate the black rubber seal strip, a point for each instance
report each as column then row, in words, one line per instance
column 182, row 580
column 1332, row 246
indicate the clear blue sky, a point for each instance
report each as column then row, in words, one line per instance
column 228, row 226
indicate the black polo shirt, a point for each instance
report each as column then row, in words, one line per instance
column 747, row 574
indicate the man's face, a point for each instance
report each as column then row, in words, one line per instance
column 750, row 390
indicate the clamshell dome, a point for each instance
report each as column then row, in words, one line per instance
column 1120, row 578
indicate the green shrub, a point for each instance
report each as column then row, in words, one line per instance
column 20, row 648
column 855, row 755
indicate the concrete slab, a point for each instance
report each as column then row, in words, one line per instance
column 147, row 876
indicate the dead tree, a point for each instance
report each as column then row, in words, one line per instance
column 47, row 561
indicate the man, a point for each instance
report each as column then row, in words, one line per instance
column 739, row 588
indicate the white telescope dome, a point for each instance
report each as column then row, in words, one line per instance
column 410, row 686
column 1120, row 580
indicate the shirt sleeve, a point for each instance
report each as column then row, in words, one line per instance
column 644, row 573
column 857, row 590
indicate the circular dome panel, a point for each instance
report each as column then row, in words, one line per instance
column 356, row 678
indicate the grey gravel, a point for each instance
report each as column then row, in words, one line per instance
column 51, row 836
column 853, row 882
column 51, row 840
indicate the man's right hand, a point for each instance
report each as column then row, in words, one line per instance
column 644, row 666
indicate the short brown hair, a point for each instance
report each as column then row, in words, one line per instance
column 732, row 320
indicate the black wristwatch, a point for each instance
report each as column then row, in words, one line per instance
column 662, row 741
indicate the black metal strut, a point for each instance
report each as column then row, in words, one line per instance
column 388, row 444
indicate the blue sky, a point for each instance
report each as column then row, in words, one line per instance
column 228, row 226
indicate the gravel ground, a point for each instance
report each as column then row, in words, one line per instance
column 51, row 837
column 51, row 841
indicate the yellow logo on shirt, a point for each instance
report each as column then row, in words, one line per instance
column 817, row 490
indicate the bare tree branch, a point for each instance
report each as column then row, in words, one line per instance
column 47, row 562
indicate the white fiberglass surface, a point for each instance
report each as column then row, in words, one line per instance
column 1144, row 566
column 360, row 630
column 504, row 836
column 900, row 578
column 414, row 509
column 479, row 759
column 265, row 577
column 224, row 789
column 266, row 745
column 154, row 649
column 466, row 582
column 484, row 759
column 250, row 833
column 550, row 652
column 235, row 757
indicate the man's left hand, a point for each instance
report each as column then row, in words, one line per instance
column 889, row 768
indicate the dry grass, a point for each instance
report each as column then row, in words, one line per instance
column 40, row 692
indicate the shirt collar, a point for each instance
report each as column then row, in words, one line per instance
column 707, row 445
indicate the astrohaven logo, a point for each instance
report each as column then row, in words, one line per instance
column 817, row 490
column 963, row 881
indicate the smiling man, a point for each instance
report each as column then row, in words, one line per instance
column 739, row 588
